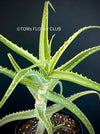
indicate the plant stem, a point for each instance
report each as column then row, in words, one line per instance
column 40, row 128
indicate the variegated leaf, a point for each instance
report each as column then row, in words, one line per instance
column 74, row 77
column 18, row 116
column 19, row 50
column 78, row 58
column 41, row 109
column 43, row 42
column 70, row 106
column 12, row 86
column 57, row 55
column 57, row 107
column 25, row 81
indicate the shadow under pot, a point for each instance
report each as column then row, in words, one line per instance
column 71, row 125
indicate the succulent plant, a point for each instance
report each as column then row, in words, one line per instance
column 41, row 83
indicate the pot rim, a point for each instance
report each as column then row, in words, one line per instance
column 61, row 112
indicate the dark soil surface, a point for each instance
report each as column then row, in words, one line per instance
column 72, row 126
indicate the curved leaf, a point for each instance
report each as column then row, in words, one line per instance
column 61, row 87
column 43, row 42
column 57, row 107
column 57, row 55
column 13, row 62
column 18, row 116
column 76, row 78
column 70, row 106
column 19, row 50
column 12, row 86
column 36, row 77
column 44, row 46
column 77, row 95
column 78, row 58
column 51, row 43
column 25, row 81
column 7, row 72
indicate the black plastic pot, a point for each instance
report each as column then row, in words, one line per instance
column 71, row 119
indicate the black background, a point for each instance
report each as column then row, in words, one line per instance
column 70, row 16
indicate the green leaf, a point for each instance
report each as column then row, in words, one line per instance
column 40, row 128
column 7, row 72
column 18, row 116
column 57, row 107
column 43, row 118
column 78, row 58
column 12, row 86
column 57, row 55
column 77, row 95
column 36, row 77
column 51, row 44
column 17, row 68
column 61, row 87
column 70, row 106
column 51, row 6
column 60, row 126
column 76, row 78
column 25, row 81
column 43, row 42
column 19, row 50
column 13, row 62
column 44, row 47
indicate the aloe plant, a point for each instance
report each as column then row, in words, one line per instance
column 41, row 83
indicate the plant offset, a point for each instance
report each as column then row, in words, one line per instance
column 41, row 83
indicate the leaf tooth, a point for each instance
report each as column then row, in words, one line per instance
column 31, row 54
column 10, row 117
column 6, row 69
column 80, row 74
column 75, row 73
column 27, row 50
column 87, row 78
column 21, row 47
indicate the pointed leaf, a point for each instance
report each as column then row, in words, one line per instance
column 36, row 77
column 7, row 72
column 32, row 90
column 61, row 87
column 76, row 78
column 57, row 107
column 70, row 106
column 60, row 126
column 25, row 81
column 78, row 58
column 17, row 68
column 77, row 95
column 19, row 50
column 51, row 6
column 43, row 43
column 14, row 83
column 18, row 116
column 13, row 62
column 51, row 44
column 57, row 55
